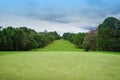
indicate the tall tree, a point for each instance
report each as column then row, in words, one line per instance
column 89, row 42
column 108, row 37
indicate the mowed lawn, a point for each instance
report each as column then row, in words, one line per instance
column 59, row 65
column 59, row 45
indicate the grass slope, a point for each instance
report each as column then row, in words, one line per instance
column 60, row 45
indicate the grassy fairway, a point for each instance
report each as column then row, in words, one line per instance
column 60, row 45
column 59, row 65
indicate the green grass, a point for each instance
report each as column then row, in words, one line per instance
column 60, row 66
column 52, row 63
column 60, row 45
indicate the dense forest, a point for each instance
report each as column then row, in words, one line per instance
column 105, row 38
column 21, row 39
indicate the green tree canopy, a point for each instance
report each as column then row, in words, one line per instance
column 108, row 37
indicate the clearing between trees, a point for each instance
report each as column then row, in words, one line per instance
column 60, row 45
column 51, row 63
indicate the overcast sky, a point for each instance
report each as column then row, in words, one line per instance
column 57, row 15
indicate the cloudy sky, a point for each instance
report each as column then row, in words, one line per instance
column 57, row 15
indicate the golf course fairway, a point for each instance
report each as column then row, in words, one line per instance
column 51, row 63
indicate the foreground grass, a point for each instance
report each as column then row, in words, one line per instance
column 62, row 61
column 59, row 66
column 60, row 45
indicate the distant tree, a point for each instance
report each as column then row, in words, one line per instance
column 68, row 36
column 19, row 40
column 41, row 40
column 89, row 42
column 78, row 39
column 6, row 39
column 56, row 35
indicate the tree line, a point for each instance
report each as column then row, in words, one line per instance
column 76, row 39
column 105, row 38
column 23, row 38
